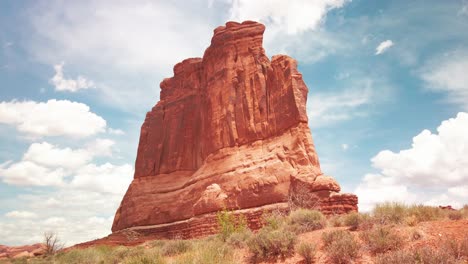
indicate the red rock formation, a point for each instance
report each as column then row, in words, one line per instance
column 230, row 131
column 21, row 251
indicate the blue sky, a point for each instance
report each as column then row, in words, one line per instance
column 388, row 96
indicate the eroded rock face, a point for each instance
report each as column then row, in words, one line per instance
column 230, row 131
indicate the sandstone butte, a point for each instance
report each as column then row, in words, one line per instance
column 230, row 132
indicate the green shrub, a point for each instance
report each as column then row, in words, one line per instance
column 382, row 239
column 341, row 247
column 274, row 220
column 229, row 223
column 307, row 251
column 271, row 243
column 305, row 220
column 175, row 247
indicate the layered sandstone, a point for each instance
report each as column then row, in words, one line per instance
column 230, row 131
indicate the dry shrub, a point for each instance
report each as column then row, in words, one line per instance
column 270, row 243
column 341, row 247
column 411, row 220
column 382, row 239
column 175, row 247
column 424, row 213
column 357, row 221
column 336, row 220
column 424, row 255
column 390, row 213
column 305, row 220
column 302, row 197
column 307, row 251
column 455, row 215
column 239, row 239
column 52, row 243
column 457, row 249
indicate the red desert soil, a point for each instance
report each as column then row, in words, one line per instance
column 433, row 233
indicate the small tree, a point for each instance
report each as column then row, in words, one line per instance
column 301, row 197
column 52, row 243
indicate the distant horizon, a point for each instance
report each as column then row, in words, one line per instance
column 387, row 102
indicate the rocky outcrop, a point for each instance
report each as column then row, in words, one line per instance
column 230, row 131
column 22, row 251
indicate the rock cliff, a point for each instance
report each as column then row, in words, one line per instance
column 230, row 131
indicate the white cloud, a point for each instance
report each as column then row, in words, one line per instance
column 106, row 178
column 344, row 146
column 293, row 17
column 448, row 74
column 117, row 132
column 26, row 173
column 434, row 169
column 45, row 164
column 383, row 46
column 62, row 84
column 51, row 118
column 21, row 214
column 328, row 108
column 46, row 154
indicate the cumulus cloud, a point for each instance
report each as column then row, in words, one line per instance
column 448, row 74
column 45, row 164
column 51, row 118
column 106, row 178
column 27, row 173
column 433, row 171
column 63, row 84
column 292, row 16
column 383, row 46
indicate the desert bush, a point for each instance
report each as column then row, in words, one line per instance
column 305, row 220
column 382, row 239
column 206, row 251
column 239, row 239
column 271, row 243
column 424, row 213
column 457, row 249
column 336, row 221
column 329, row 237
column 307, row 251
column 395, row 257
column 147, row 256
column 429, row 255
column 424, row 255
column 52, row 243
column 389, row 213
column 302, row 197
column 455, row 215
column 341, row 247
column 274, row 220
column 175, row 247
column 352, row 220
column 229, row 223
column 411, row 220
